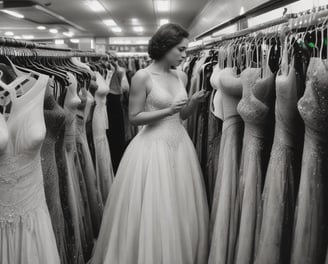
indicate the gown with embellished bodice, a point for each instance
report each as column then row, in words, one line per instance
column 26, row 233
column 225, row 209
column 278, row 194
column 54, row 117
column 103, row 164
column 309, row 238
column 156, row 211
column 254, row 112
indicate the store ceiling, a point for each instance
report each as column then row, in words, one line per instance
column 76, row 16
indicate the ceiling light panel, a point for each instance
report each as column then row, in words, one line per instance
column 163, row 21
column 41, row 28
column 95, row 6
column 53, row 31
column 138, row 29
column 59, row 41
column 68, row 34
column 75, row 40
column 162, row 5
column 9, row 33
column 116, row 29
column 109, row 22
column 28, row 37
column 12, row 13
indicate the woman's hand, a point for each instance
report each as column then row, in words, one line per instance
column 200, row 96
column 177, row 105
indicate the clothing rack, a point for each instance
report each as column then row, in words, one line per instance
column 14, row 47
column 293, row 21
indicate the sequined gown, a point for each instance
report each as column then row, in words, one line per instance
column 54, row 119
column 254, row 112
column 93, row 196
column 104, row 169
column 309, row 239
column 225, row 209
column 156, row 211
column 278, row 193
column 26, row 233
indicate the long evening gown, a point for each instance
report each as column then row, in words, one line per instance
column 104, row 169
column 156, row 211
column 225, row 209
column 309, row 238
column 254, row 113
column 54, row 117
column 26, row 233
column 92, row 197
column 278, row 193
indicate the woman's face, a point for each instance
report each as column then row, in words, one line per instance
column 177, row 54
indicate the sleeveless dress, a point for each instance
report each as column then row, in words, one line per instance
column 309, row 239
column 225, row 209
column 26, row 233
column 92, row 197
column 103, row 164
column 54, row 119
column 278, row 194
column 79, row 221
column 156, row 211
column 254, row 112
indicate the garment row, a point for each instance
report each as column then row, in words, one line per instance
column 62, row 134
column 261, row 138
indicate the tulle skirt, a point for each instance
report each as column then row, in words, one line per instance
column 156, row 211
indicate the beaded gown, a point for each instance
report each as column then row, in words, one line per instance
column 156, row 211
column 254, row 112
column 26, row 233
column 278, row 194
column 55, row 119
column 309, row 239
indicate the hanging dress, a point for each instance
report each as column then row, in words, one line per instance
column 54, row 117
column 156, row 211
column 26, row 233
column 309, row 238
column 104, row 169
column 278, row 194
column 225, row 209
column 92, row 197
column 254, row 112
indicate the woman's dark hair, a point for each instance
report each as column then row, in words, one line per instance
column 165, row 38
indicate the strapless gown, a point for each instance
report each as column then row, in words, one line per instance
column 26, row 233
column 156, row 211
column 309, row 238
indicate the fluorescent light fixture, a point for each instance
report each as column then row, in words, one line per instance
column 138, row 29
column 41, row 27
column 59, row 41
column 75, row 40
column 9, row 33
column 17, row 37
column 28, row 37
column 68, row 34
column 109, row 22
column 134, row 21
column 13, row 13
column 53, row 31
column 163, row 21
column 95, row 6
column 116, row 29
column 162, row 5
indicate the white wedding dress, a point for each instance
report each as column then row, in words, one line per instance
column 156, row 211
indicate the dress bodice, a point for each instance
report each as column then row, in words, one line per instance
column 21, row 181
column 231, row 87
column 102, row 91
column 313, row 106
column 54, row 115
column 251, row 109
column 217, row 99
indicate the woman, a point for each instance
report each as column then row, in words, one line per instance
column 157, row 211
